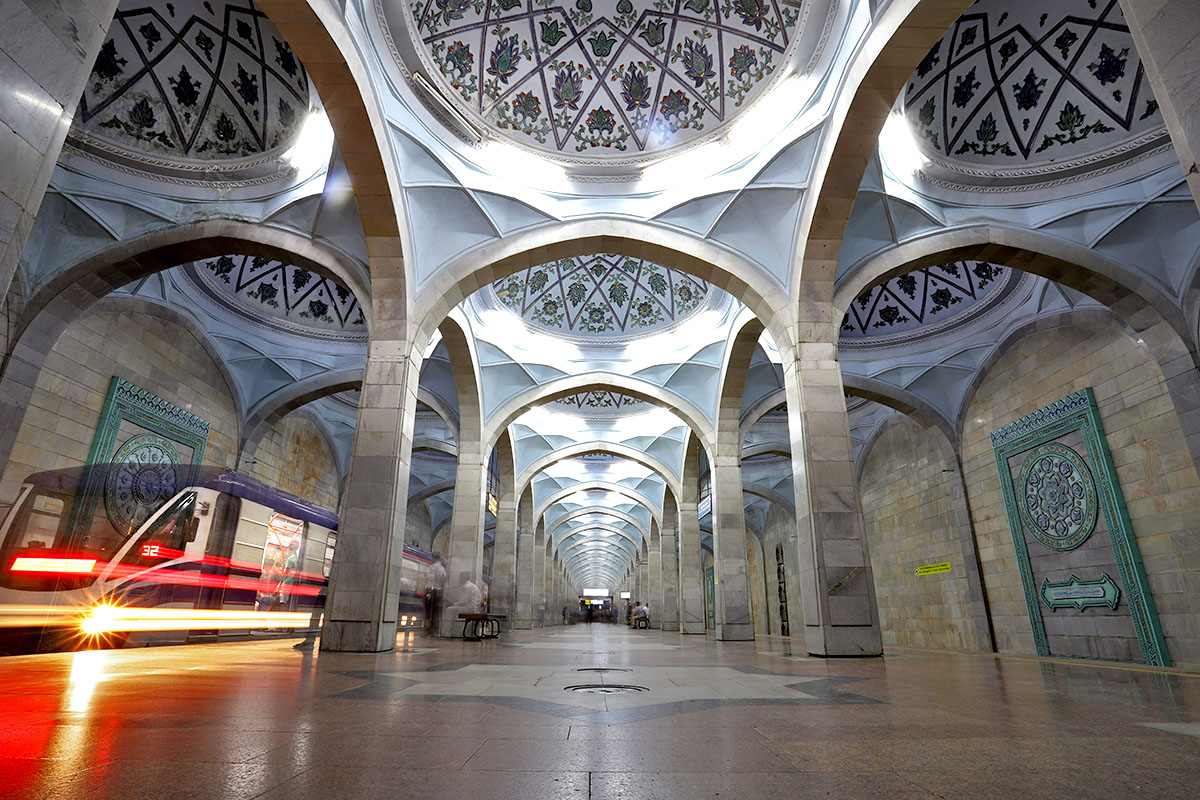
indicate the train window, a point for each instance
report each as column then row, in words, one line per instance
column 167, row 536
column 45, row 521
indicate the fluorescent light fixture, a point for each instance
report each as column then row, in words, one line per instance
column 595, row 593
column 625, row 595
column 314, row 145
column 898, row 147
column 461, row 122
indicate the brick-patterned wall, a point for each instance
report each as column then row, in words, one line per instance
column 155, row 354
column 295, row 457
column 910, row 517
column 1159, row 480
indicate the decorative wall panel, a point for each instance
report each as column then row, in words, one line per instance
column 154, row 448
column 1081, row 570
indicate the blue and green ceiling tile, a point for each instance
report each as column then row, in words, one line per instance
column 1013, row 85
column 194, row 80
column 605, row 77
column 601, row 295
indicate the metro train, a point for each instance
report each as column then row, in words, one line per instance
column 223, row 557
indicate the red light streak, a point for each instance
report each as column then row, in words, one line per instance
column 73, row 566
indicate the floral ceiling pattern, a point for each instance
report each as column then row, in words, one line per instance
column 1014, row 84
column 927, row 297
column 602, row 400
column 274, row 290
column 601, row 295
column 604, row 77
column 194, row 80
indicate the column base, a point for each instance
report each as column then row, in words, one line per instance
column 735, row 632
column 670, row 626
column 843, row 642
column 352, row 636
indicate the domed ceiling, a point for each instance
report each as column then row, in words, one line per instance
column 926, row 301
column 280, row 294
column 604, row 79
column 604, row 296
column 192, row 81
column 1019, row 85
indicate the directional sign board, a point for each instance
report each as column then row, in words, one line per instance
column 1078, row 594
column 932, row 569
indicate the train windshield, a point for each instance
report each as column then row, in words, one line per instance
column 167, row 536
column 57, row 538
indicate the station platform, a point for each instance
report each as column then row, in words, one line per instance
column 598, row 712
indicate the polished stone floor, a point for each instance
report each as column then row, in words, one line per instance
column 498, row 719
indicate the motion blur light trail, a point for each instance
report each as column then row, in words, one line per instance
column 110, row 619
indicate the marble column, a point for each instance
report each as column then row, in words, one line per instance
column 837, row 588
column 654, row 595
column 48, row 51
column 539, row 576
column 730, row 577
column 525, row 547
column 504, row 557
column 1167, row 36
column 691, row 572
column 669, row 548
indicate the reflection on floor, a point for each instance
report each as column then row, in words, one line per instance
column 499, row 719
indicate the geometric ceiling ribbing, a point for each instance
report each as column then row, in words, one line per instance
column 603, row 78
column 1012, row 85
column 601, row 295
column 925, row 297
column 274, row 291
column 191, row 80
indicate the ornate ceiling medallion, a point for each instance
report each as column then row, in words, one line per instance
column 604, row 80
column 192, row 86
column 280, row 295
column 1030, row 91
column 601, row 296
column 925, row 302
column 602, row 400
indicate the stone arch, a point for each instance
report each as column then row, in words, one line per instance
column 336, row 69
column 583, row 448
column 432, row 490
column 759, row 410
column 439, row 407
column 612, row 512
column 689, row 414
column 608, row 486
column 1155, row 321
column 283, row 401
column 78, row 287
column 323, row 431
column 661, row 245
column 769, row 495
column 899, row 399
column 900, row 38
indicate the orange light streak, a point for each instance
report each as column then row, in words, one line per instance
column 108, row 619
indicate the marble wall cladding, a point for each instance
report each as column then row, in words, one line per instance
column 155, row 354
column 1156, row 472
column 907, row 489
column 294, row 456
column 418, row 530
column 779, row 530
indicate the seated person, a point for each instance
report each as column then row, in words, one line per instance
column 641, row 616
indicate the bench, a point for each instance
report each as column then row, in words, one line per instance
column 641, row 622
column 483, row 626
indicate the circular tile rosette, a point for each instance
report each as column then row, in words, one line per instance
column 143, row 476
column 1058, row 502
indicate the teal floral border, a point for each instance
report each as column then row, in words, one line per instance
column 126, row 401
column 1078, row 412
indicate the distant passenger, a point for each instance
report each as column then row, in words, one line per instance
column 641, row 616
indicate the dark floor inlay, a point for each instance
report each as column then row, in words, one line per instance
column 606, row 688
column 601, row 669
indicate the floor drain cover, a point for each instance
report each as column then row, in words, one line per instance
column 606, row 688
column 601, row 669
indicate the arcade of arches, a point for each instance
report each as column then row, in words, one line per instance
column 842, row 328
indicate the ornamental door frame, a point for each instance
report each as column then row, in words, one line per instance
column 1078, row 412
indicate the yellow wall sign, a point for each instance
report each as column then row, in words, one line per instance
column 932, row 569
column 492, row 506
